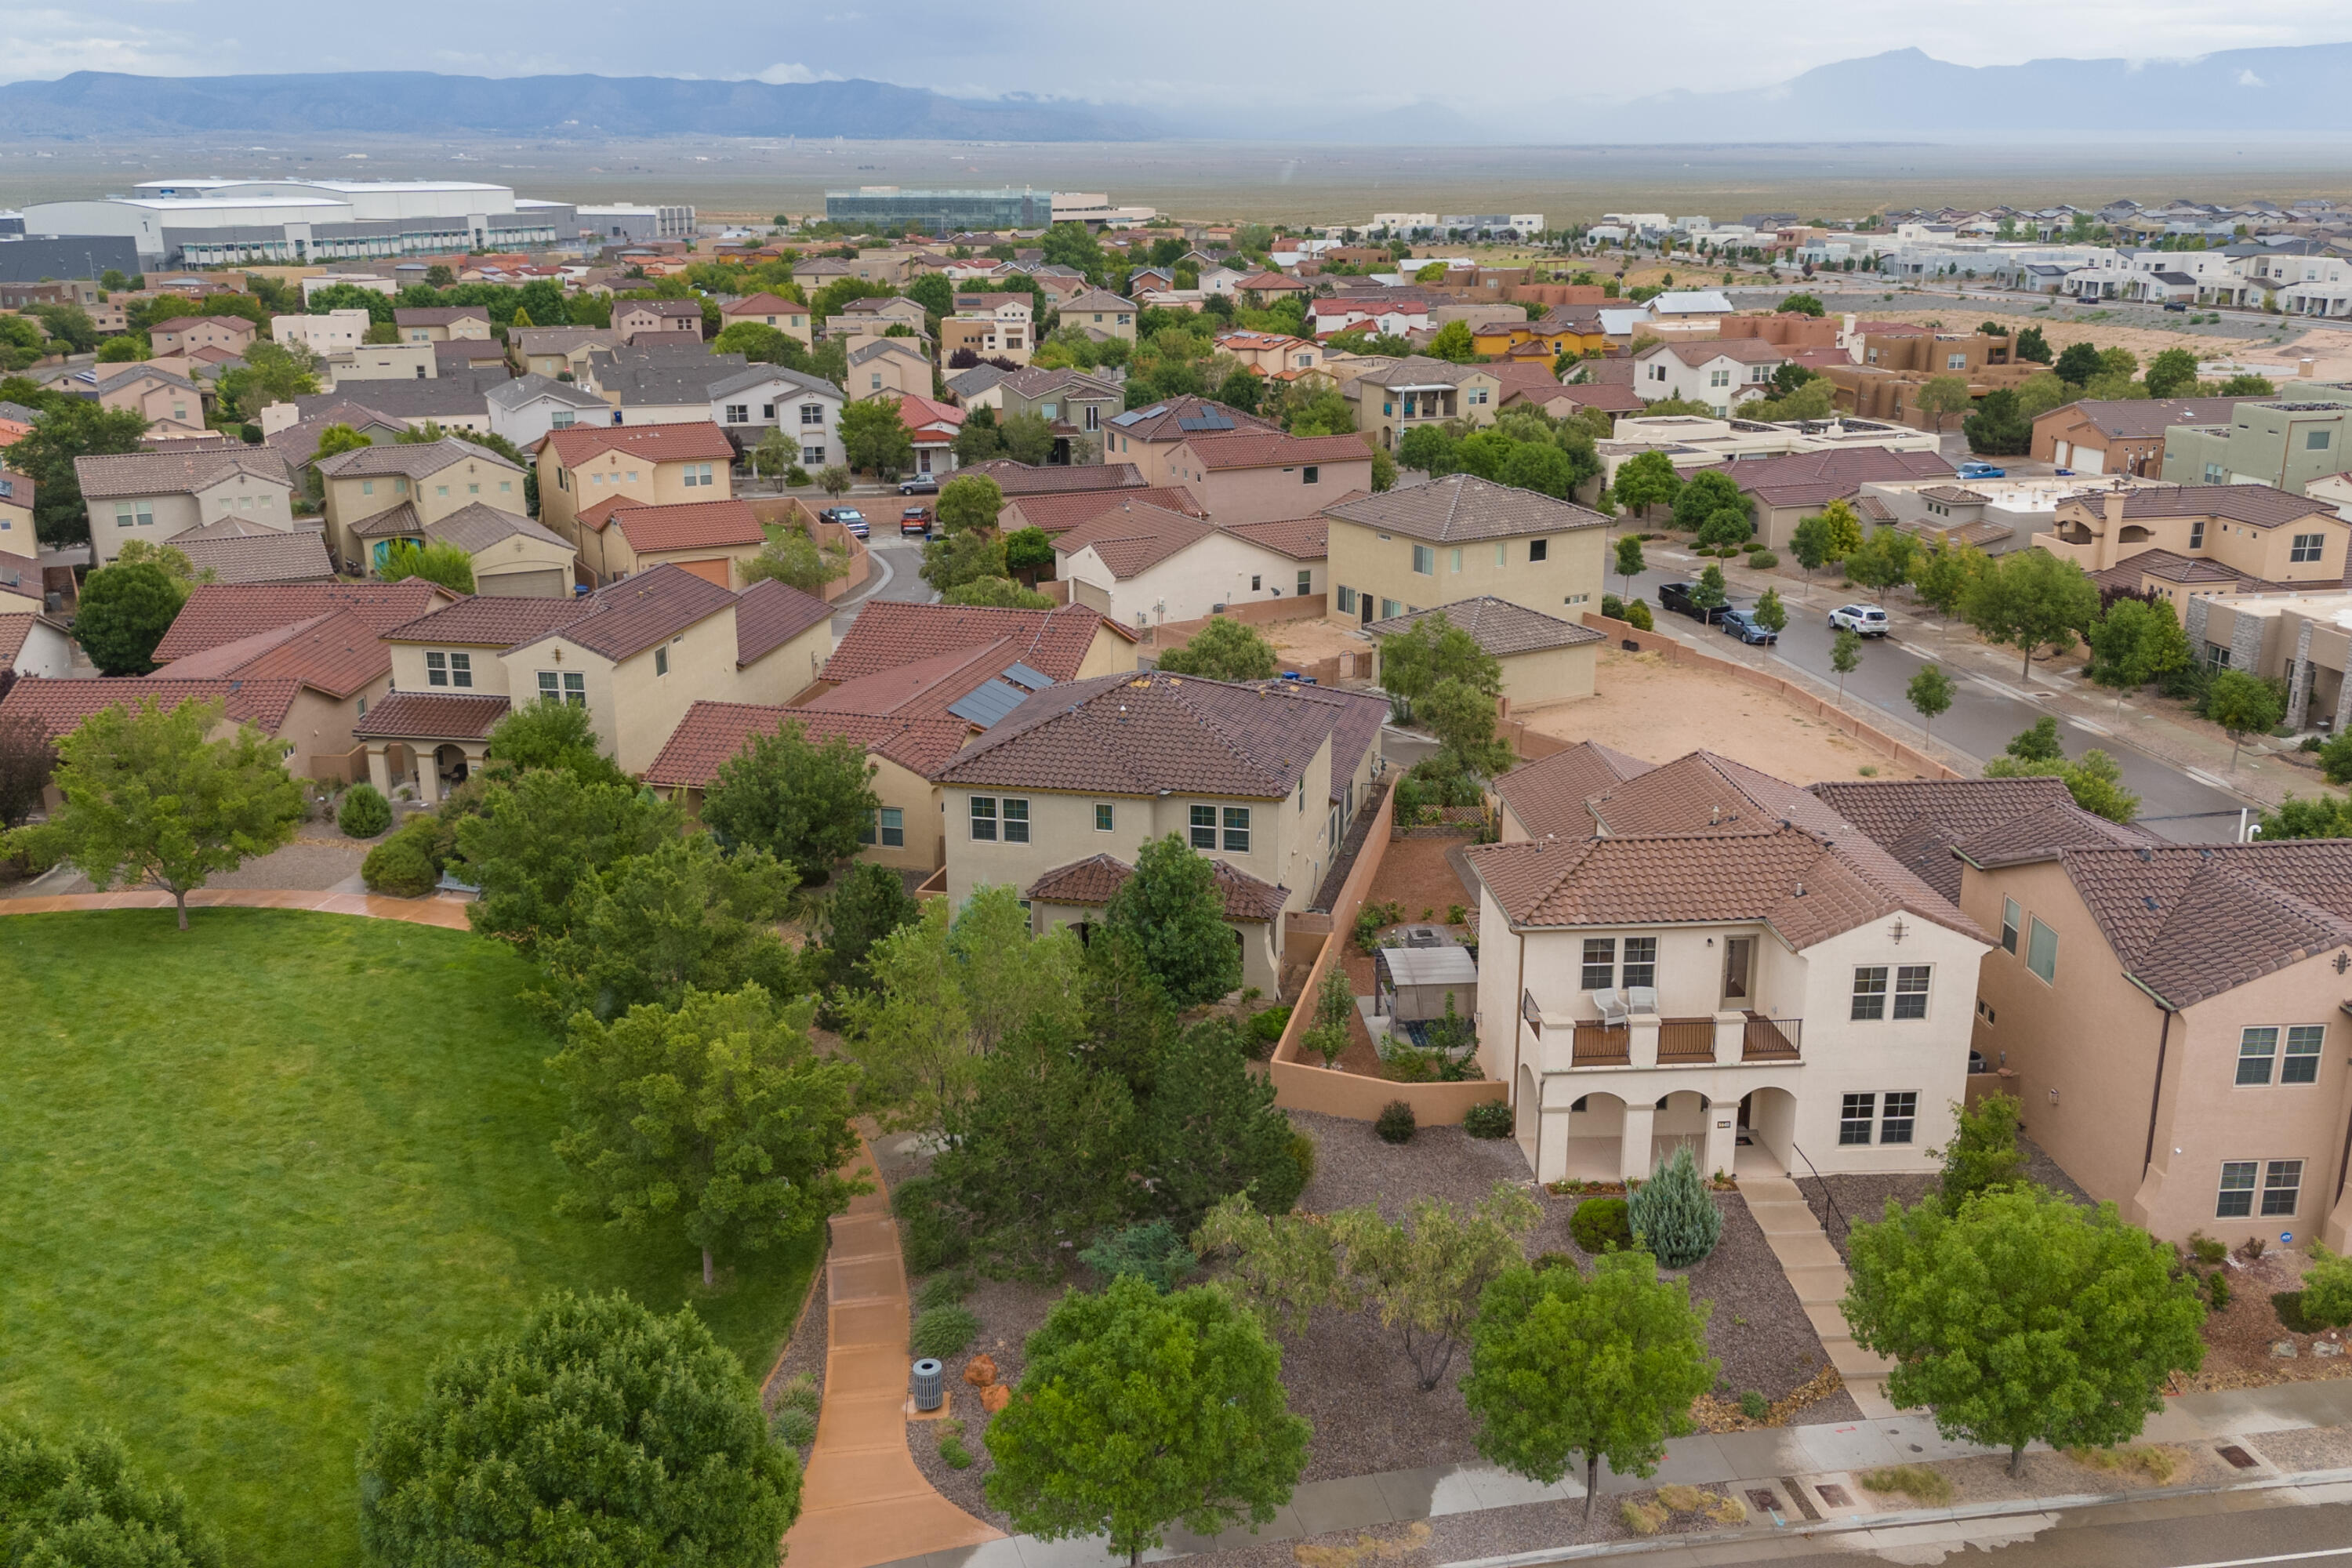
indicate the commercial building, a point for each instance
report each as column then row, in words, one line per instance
column 632, row 223
column 207, row 221
column 940, row 212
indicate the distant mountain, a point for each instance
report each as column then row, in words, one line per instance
column 587, row 107
column 1903, row 93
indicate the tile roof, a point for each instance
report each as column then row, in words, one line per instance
column 1036, row 381
column 1921, row 822
column 978, row 379
column 689, row 525
column 1420, row 370
column 1501, row 627
column 2260, row 506
column 392, row 522
column 337, row 653
column 672, row 309
column 14, row 630
column 888, row 633
column 2167, row 566
column 1815, row 479
column 1547, row 796
column 532, row 387
column 463, row 395
column 173, row 472
column 432, row 716
column 412, row 459
column 764, row 304
column 440, row 315
column 2142, row 417
column 216, row 613
column 1261, row 450
column 691, row 442
column 1024, row 478
column 1131, row 540
column 713, row 732
column 1093, row 879
column 925, row 688
column 1747, row 350
column 490, row 620
column 624, row 619
column 242, row 554
column 61, row 706
column 1139, row 734
column 531, row 340
column 1165, row 420
column 2190, row 923
column 1057, row 511
column 298, row 443
column 1463, row 507
column 769, row 615
column 1300, row 538
column 474, row 528
column 1097, row 299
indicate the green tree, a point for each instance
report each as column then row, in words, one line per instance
column 1943, row 394
column 80, row 1502
column 1462, row 717
column 1176, row 910
column 2030, row 600
column 1943, row 576
column 1726, row 529
column 807, row 802
column 69, row 428
column 67, row 324
column 272, row 373
column 2031, row 346
column 540, row 837
column 2037, row 743
column 2297, row 816
column 1541, row 467
column 1710, row 592
column 2172, row 373
column 977, row 442
column 1027, row 438
column 597, row 1433
column 2243, row 704
column 1674, row 1216
column 151, row 800
column 970, row 502
column 2078, row 363
column 1630, row 562
column 337, row 439
column 1068, row 243
column 1604, row 1367
column 1983, row 1155
column 835, row 479
column 875, row 437
column 549, row 735
column 1424, row 1275
column 1930, row 691
column 447, row 564
column 792, row 558
column 2094, row 779
column 126, row 349
column 1209, row 1127
column 1802, row 305
column 1434, row 649
column 2247, row 385
column 1027, row 552
column 1646, row 480
column 871, row 903
column 1705, row 493
column 125, row 610
column 1431, row 449
column 1240, row 389
column 1770, row 613
column 2137, row 641
column 1136, row 1410
column 997, row 593
column 1384, row 471
column 1846, row 658
column 960, row 558
column 2022, row 1316
column 1225, row 649
column 2001, row 425
column 1883, row 561
column 683, row 915
column 718, row 1118
column 27, row 761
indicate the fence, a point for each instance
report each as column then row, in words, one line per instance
column 1299, row 1086
column 791, row 511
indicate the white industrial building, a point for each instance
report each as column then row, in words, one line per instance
column 632, row 223
column 208, row 222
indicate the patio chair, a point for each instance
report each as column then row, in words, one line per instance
column 1615, row 1012
column 1642, row 998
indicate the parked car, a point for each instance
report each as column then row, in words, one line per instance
column 1982, row 471
column 915, row 520
column 1677, row 596
column 1743, row 624
column 1862, row 620
column 849, row 517
column 2175, row 305
column 921, row 485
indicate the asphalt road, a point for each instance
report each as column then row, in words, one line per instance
column 1992, row 702
column 2314, row 1534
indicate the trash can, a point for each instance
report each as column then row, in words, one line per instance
column 931, row 1378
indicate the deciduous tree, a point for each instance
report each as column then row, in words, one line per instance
column 125, row 610
column 1930, row 691
column 69, row 428
column 539, row 837
column 875, row 437
column 1225, row 649
column 1846, row 658
column 1646, row 480
column 871, row 903
column 1630, row 562
column 795, row 559
column 683, row 914
column 807, row 802
column 550, row 735
column 80, row 1502
column 997, row 593
column 1943, row 394
column 2243, row 704
column 2031, row 600
column 447, row 564
column 1175, row 909
column 970, row 502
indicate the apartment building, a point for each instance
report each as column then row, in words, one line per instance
column 1457, row 537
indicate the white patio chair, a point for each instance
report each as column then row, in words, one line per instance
column 1642, row 998
column 1615, row 1012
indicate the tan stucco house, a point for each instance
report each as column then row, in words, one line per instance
column 1457, row 537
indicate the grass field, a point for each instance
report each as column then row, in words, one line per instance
column 257, row 1177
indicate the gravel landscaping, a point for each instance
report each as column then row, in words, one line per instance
column 2309, row 1448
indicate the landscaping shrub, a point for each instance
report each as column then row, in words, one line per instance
column 364, row 812
column 2327, row 1288
column 400, row 865
column 1754, row 1406
column 796, row 476
column 929, row 1233
column 1673, row 1214
column 793, row 1426
column 1600, row 1223
column 2217, row 1290
column 1763, row 560
column 1302, row 1154
column 1546, row 1262
column 1642, row 1518
column 1916, row 1482
column 958, row 1457
column 2205, row 1249
column 2158, row 1463
column 1638, row 616
column 2294, row 1312
column 1153, row 1252
column 1487, row 1119
column 944, row 1330
column 1266, row 1028
column 1395, row 1124
column 1612, row 607
column 801, row 1394
column 942, row 1290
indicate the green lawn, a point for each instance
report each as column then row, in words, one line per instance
column 255, row 1177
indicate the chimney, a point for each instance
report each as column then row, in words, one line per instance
column 2304, row 369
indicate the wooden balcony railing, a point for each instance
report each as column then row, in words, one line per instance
column 1687, row 1042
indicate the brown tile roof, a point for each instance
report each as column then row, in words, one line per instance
column 414, row 459
column 440, row 315
column 1975, row 534
column 1921, row 822
column 712, row 733
column 490, row 620
column 474, row 528
column 1140, row 734
column 924, row 687
column 1056, row 512
column 216, row 613
column 2167, row 566
column 392, row 522
column 1815, row 479
column 2259, row 506
column 173, row 472
column 1463, row 507
column 431, row 716
column 61, row 706
column 764, row 305
column 624, row 619
column 1300, row 538
column 694, row 442
column 2143, row 417
column 299, row 443
column 1036, row 381
column 1093, row 879
column 1547, row 796
column 256, row 555
column 1164, row 421
column 770, row 613
column 888, row 633
column 2192, row 922
column 689, row 525
column 14, row 630
column 1747, row 350
column 338, row 653
column 1132, row 540
column 1259, row 450
column 1024, row 479
column 1501, row 627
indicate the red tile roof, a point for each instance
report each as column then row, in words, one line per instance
column 712, row 733
column 1930, row 824
column 924, row 687
column 61, row 706
column 431, row 716
column 1254, row 450
column 1093, row 879
column 1024, row 478
column 1057, row 513
column 1816, row 478
column 2193, row 922
column 889, row 633
column 624, row 619
column 1300, row 538
column 1547, row 796
column 698, row 442
column 770, row 613
column 223, row 612
column 687, row 525
column 339, row 653
column 1132, row 540
column 491, row 621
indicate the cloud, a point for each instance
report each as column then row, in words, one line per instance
column 785, row 71
column 54, row 43
column 2248, row 79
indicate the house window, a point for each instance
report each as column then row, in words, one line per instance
column 1897, row 1117
column 439, row 491
column 2282, row 1186
column 2316, row 440
column 1599, row 963
column 812, row 453
column 2196, row 524
column 2212, row 475
column 2041, row 951
column 1456, row 563
column 2009, row 917
column 1016, row 821
column 367, row 486
column 1256, row 581
column 436, row 670
column 1869, row 992
column 1854, row 1117
column 1640, row 961
column 2257, row 1049
column 738, row 413
column 1390, row 609
column 1311, row 475
column 2237, row 1199
column 1956, row 361
column 134, row 514
column 1237, row 829
column 568, row 686
column 2303, row 1043
column 1911, row 991
column 661, row 661
column 1204, row 827
column 983, row 818
column 893, row 829
column 2215, row 657
column 1306, row 581
column 1106, row 816
column 698, row 474
column 1718, row 378
column 1539, row 550
column 2306, row 547
column 811, row 412
column 1425, row 560
column 1346, row 599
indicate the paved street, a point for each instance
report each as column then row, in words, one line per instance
column 2200, row 1533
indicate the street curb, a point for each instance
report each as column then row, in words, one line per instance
column 1911, row 1517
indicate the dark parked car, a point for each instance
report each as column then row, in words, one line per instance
column 1743, row 624
column 921, row 485
column 1677, row 596
column 849, row 517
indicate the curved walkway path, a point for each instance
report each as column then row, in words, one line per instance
column 446, row 912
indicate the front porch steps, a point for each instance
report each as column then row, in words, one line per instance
column 1818, row 1275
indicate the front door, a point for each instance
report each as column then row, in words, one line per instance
column 1738, row 953
column 1365, row 602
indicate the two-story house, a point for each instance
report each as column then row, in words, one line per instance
column 1461, row 537
column 170, row 403
column 588, row 468
column 1271, row 353
column 441, row 324
column 991, row 325
column 889, row 367
column 1101, row 312
column 185, row 334
column 156, row 496
column 631, row 317
column 2184, row 539
column 1701, row 955
column 1395, row 400
column 875, row 316
column 558, row 351
column 789, row 317
column 1077, row 406
column 1149, row 437
column 376, row 495
column 1061, row 794
column 528, row 406
column 1145, row 565
column 1254, row 478
column 1720, row 373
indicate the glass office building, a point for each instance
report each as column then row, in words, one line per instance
column 938, row 212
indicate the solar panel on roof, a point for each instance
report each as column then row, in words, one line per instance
column 1204, row 419
column 1023, row 675
column 987, row 705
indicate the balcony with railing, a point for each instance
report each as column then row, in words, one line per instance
column 1731, row 1038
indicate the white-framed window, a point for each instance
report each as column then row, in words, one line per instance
column 1598, row 970
column 1425, row 560
column 2011, row 917
column 812, row 453
column 1855, row 1117
column 698, row 474
column 2041, row 951
column 1718, row 378
column 568, row 686
column 2282, row 1187
column 1016, row 820
column 1869, row 992
column 1305, row 581
column 1237, row 829
column 1911, row 991
column 983, row 818
column 1203, row 826
column 1898, row 1116
column 2257, row 1054
column 2197, row 532
column 1457, row 562
column 661, row 661
column 134, row 514
column 449, row 669
column 1640, row 961
column 1106, row 816
column 2304, row 1042
column 738, row 413
column 2307, row 547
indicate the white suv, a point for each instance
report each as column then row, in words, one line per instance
column 1862, row 620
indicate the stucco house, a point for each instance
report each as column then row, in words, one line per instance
column 1144, row 565
column 1149, row 437
column 591, row 467
column 1458, row 538
column 1544, row 659
column 1257, row 478
column 375, row 495
column 154, row 496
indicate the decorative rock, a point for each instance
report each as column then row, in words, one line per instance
column 2284, row 1350
column 2326, row 1347
column 995, row 1397
column 981, row 1371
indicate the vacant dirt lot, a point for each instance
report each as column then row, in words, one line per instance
column 1306, row 641
column 1658, row 711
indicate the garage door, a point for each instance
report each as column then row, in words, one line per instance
column 550, row 582
column 2089, row 460
column 715, row 570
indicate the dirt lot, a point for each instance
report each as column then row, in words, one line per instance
column 1305, row 641
column 1658, row 711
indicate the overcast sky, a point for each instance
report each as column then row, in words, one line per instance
column 1374, row 51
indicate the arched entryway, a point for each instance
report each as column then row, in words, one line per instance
column 1768, row 1130
column 1679, row 1122
column 1526, row 1115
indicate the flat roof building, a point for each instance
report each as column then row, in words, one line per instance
column 940, row 212
column 212, row 221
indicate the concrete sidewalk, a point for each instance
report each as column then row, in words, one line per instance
column 1790, row 1466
